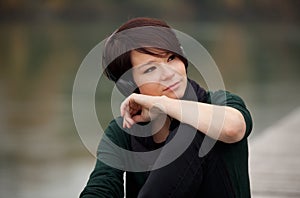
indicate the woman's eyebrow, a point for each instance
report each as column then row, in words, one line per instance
column 146, row 64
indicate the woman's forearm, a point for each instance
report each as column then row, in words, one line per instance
column 219, row 122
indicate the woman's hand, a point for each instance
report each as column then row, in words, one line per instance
column 140, row 108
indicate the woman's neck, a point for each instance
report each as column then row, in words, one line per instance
column 160, row 128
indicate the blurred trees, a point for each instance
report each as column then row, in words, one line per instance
column 195, row 10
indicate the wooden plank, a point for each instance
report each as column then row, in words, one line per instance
column 275, row 159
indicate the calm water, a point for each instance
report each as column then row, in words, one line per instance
column 42, row 154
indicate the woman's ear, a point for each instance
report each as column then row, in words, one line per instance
column 137, row 90
column 126, row 87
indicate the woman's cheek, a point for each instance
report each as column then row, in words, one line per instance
column 152, row 89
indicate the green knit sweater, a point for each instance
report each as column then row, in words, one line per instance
column 106, row 181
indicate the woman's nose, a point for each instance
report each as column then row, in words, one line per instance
column 166, row 73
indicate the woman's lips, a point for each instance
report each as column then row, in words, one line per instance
column 172, row 87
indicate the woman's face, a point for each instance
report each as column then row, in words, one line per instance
column 156, row 76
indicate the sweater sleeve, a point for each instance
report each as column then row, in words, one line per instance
column 229, row 99
column 105, row 180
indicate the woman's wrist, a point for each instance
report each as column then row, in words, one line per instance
column 162, row 102
column 171, row 106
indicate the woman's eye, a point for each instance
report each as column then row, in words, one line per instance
column 172, row 57
column 149, row 70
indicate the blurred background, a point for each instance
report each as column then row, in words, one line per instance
column 256, row 45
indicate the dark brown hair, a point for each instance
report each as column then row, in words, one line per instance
column 138, row 34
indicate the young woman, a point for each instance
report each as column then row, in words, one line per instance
column 149, row 68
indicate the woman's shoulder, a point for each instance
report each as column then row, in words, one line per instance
column 115, row 124
column 116, row 133
column 224, row 97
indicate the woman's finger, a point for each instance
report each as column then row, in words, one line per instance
column 124, row 106
column 140, row 118
column 127, row 119
column 122, row 109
